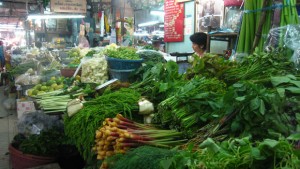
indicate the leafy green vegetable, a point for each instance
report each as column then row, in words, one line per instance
column 47, row 143
column 82, row 126
column 237, row 153
column 194, row 104
column 140, row 158
column 128, row 53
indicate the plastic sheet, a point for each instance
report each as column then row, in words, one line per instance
column 27, row 79
column 287, row 36
column 35, row 122
column 232, row 17
column 94, row 70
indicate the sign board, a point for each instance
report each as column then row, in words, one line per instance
column 68, row 6
column 178, row 1
column 174, row 21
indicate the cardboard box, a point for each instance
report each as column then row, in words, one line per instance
column 24, row 107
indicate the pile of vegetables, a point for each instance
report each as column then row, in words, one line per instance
column 55, row 83
column 94, row 70
column 81, row 127
column 151, row 56
column 193, row 105
column 127, row 53
column 119, row 134
column 139, row 158
column 47, row 143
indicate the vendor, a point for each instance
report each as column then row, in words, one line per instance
column 199, row 40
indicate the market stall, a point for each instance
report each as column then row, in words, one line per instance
column 120, row 107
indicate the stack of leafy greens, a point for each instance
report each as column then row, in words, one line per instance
column 127, row 53
column 82, row 126
column 47, row 143
column 159, row 82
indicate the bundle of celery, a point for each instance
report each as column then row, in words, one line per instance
column 54, row 102
column 117, row 135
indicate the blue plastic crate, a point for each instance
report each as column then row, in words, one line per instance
column 122, row 64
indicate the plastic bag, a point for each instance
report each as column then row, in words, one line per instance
column 35, row 122
column 292, row 41
column 286, row 36
column 27, row 79
column 94, row 70
column 23, row 79
column 275, row 37
column 232, row 18
column 10, row 103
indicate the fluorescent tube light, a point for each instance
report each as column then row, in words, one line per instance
column 148, row 23
column 159, row 13
column 1, row 3
column 41, row 16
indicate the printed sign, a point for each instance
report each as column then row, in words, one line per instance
column 174, row 21
column 68, row 6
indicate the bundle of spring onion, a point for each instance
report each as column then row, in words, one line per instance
column 119, row 134
column 51, row 102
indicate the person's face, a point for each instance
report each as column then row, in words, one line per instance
column 196, row 47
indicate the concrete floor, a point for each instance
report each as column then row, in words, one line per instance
column 8, row 121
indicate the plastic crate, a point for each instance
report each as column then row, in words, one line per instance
column 122, row 64
column 122, row 75
column 233, row 2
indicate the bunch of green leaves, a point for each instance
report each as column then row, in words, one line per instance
column 149, row 47
column 159, row 82
column 260, row 66
column 74, row 54
column 140, row 158
column 210, row 66
column 254, row 110
column 91, row 53
column 46, row 143
column 193, row 105
column 127, row 53
column 82, row 126
column 237, row 153
column 151, row 56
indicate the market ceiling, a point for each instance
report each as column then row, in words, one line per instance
column 14, row 11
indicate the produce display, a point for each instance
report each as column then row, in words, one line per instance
column 53, row 84
column 117, row 135
column 127, row 53
column 218, row 114
column 94, row 70
column 82, row 126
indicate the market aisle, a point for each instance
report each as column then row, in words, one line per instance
column 8, row 120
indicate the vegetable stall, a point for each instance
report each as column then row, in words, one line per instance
column 130, row 108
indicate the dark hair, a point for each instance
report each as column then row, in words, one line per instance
column 199, row 38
